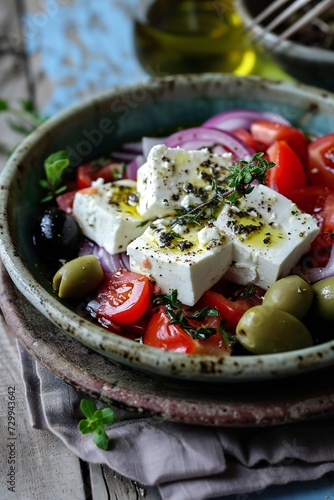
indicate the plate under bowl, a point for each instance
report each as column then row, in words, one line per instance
column 90, row 130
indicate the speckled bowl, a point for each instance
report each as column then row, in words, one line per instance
column 91, row 129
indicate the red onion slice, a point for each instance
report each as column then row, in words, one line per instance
column 133, row 147
column 148, row 143
column 109, row 263
column 217, row 141
column 242, row 118
column 315, row 274
column 132, row 167
column 123, row 156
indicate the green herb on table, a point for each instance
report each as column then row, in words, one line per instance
column 95, row 422
column 54, row 167
column 25, row 119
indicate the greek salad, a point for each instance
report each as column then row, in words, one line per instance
column 217, row 239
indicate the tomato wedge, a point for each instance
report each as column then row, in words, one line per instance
column 319, row 202
column 230, row 311
column 123, row 298
column 89, row 172
column 288, row 173
column 163, row 334
column 328, row 210
column 247, row 137
column 267, row 132
column 65, row 201
column 311, row 199
column 321, row 161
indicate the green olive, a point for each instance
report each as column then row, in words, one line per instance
column 267, row 330
column 323, row 303
column 292, row 294
column 78, row 277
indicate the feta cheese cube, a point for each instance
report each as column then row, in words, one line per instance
column 269, row 235
column 107, row 214
column 190, row 263
column 173, row 178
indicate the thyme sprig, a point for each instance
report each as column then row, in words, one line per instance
column 26, row 119
column 204, row 211
column 243, row 174
column 25, row 111
column 229, row 338
column 178, row 317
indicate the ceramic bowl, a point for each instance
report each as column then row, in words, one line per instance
column 90, row 130
column 310, row 65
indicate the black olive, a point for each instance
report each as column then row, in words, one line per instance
column 57, row 235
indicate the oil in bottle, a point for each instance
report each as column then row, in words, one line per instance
column 192, row 36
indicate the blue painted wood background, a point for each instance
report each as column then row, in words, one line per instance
column 85, row 46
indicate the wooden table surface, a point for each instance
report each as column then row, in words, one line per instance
column 55, row 52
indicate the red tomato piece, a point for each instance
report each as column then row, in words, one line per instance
column 319, row 202
column 328, row 210
column 138, row 328
column 311, row 199
column 123, row 297
column 321, row 161
column 288, row 173
column 267, row 132
column 247, row 137
column 65, row 201
column 320, row 251
column 163, row 334
column 230, row 311
column 89, row 172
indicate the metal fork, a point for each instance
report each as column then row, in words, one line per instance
column 317, row 10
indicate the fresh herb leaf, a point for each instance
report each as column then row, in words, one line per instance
column 28, row 106
column 54, row 167
column 207, row 311
column 26, row 111
column 243, row 173
column 88, row 408
column 95, row 422
column 177, row 316
column 228, row 338
column 17, row 127
column 119, row 174
column 28, row 119
column 245, row 294
column 3, row 105
column 142, row 224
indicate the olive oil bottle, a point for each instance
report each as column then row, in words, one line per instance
column 192, row 36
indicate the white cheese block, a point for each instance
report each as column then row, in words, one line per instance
column 190, row 263
column 269, row 235
column 107, row 214
column 173, row 178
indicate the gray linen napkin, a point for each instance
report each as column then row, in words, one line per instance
column 186, row 462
